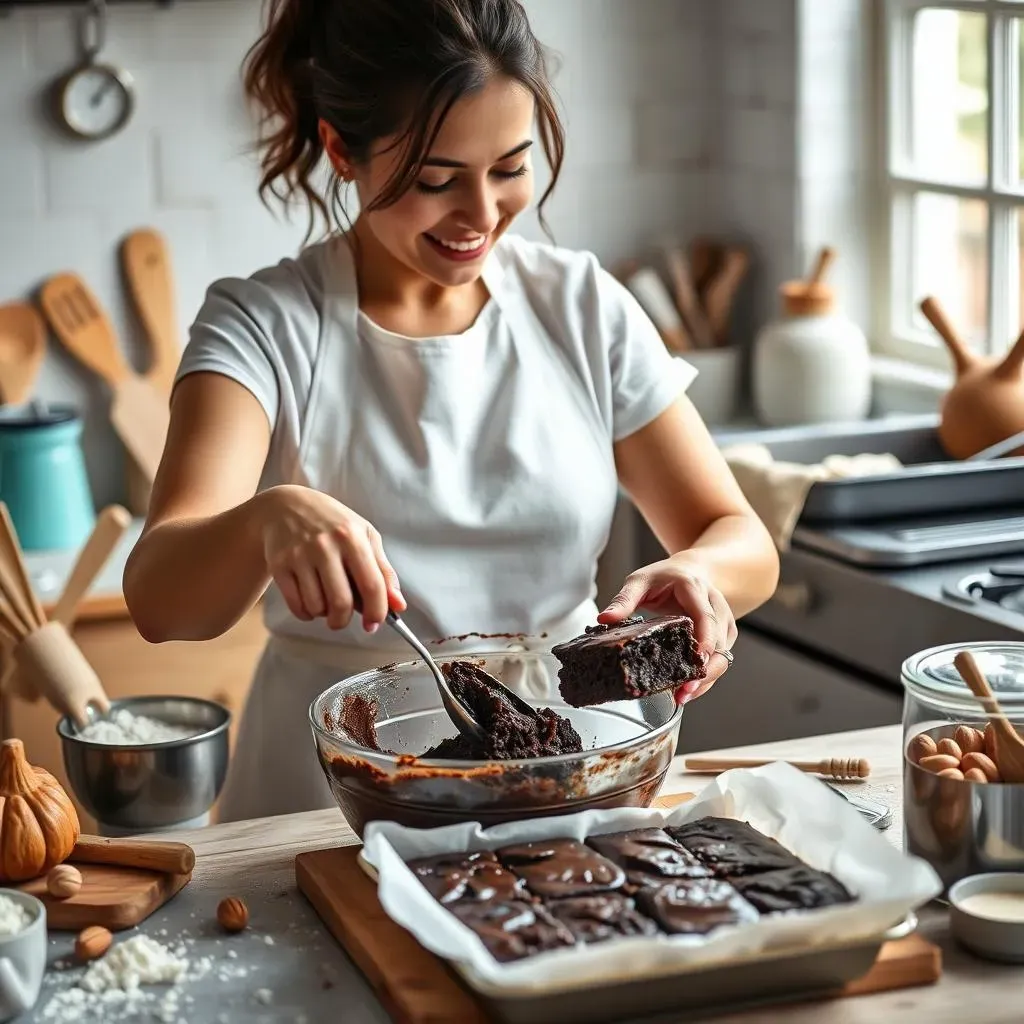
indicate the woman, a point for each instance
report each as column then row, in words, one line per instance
column 422, row 408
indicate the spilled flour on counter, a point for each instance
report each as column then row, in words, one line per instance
column 122, row 728
column 110, row 989
column 138, row 961
column 14, row 917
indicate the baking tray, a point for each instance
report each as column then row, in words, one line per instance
column 929, row 484
column 729, row 987
column 691, row 994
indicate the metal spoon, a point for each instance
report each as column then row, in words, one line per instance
column 457, row 711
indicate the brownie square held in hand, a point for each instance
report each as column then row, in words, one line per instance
column 628, row 661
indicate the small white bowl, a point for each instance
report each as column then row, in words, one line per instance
column 985, row 930
column 22, row 959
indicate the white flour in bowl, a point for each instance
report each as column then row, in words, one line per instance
column 122, row 727
column 14, row 917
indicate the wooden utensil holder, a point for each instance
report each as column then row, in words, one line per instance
column 52, row 664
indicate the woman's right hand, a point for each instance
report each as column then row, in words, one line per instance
column 316, row 549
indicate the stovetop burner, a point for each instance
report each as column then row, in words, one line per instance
column 1001, row 584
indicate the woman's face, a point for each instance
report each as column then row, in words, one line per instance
column 476, row 180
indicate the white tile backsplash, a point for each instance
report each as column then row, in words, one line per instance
column 672, row 131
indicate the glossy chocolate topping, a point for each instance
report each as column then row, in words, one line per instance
column 695, row 906
column 731, row 848
column 606, row 916
column 562, row 867
column 650, row 856
column 514, row 929
column 797, row 888
column 468, row 876
column 628, row 661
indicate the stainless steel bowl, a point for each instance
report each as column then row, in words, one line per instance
column 155, row 785
column 961, row 828
column 628, row 748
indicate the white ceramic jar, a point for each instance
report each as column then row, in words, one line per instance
column 813, row 365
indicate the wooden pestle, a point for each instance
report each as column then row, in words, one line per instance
column 54, row 666
column 833, row 767
column 148, row 854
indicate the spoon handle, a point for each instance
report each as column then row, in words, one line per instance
column 975, row 679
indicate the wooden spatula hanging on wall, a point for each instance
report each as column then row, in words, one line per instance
column 138, row 411
column 146, row 263
column 22, row 348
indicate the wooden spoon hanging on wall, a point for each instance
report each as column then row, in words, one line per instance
column 985, row 405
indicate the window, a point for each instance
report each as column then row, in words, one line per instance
column 955, row 172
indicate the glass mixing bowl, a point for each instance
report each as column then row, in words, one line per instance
column 627, row 749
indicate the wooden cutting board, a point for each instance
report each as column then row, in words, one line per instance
column 417, row 987
column 114, row 897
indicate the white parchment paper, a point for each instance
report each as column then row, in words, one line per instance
column 796, row 809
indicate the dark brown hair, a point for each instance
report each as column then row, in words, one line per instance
column 373, row 68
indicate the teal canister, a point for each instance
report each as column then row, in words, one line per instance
column 43, row 480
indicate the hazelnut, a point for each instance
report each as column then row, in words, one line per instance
column 63, row 881
column 921, row 746
column 969, row 740
column 232, row 914
column 92, row 943
column 982, row 762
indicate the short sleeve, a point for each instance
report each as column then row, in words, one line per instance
column 645, row 377
column 264, row 332
column 228, row 337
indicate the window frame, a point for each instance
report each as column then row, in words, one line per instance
column 895, row 332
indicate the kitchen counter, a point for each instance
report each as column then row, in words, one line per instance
column 287, row 967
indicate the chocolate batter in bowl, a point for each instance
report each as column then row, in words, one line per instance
column 372, row 729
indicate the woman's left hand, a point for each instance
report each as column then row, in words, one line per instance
column 675, row 587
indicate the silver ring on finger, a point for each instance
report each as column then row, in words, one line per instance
column 728, row 655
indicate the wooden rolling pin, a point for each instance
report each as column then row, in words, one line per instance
column 833, row 767
column 149, row 854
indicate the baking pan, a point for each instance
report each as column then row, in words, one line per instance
column 929, row 484
column 688, row 995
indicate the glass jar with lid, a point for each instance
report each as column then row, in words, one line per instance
column 958, row 814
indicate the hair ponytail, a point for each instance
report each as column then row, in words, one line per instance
column 278, row 79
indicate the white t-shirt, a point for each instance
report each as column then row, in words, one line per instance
column 485, row 458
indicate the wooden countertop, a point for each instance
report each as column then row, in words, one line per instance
column 970, row 989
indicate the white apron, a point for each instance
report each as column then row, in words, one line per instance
column 274, row 769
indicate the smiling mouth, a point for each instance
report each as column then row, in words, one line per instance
column 463, row 246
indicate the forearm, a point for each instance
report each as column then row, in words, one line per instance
column 194, row 579
column 738, row 557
